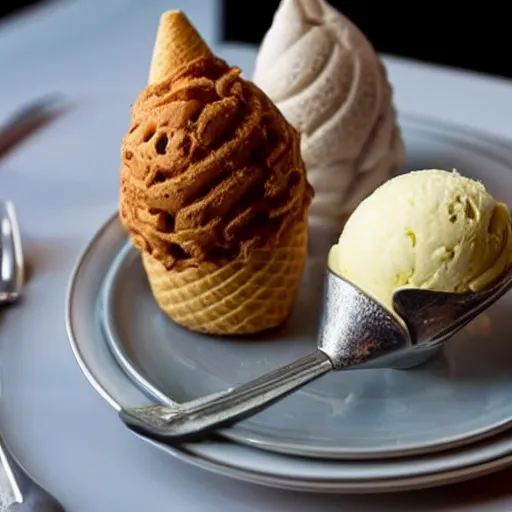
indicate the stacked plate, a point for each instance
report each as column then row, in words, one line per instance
column 356, row 431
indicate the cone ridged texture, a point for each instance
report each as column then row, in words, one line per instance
column 242, row 297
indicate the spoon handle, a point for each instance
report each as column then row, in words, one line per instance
column 191, row 422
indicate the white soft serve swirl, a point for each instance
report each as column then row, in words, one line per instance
column 325, row 77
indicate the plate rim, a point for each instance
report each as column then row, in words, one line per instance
column 139, row 379
column 250, row 435
column 201, row 460
column 338, row 486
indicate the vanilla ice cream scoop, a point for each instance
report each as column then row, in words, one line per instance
column 325, row 77
column 429, row 229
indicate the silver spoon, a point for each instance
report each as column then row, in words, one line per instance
column 355, row 332
column 18, row 492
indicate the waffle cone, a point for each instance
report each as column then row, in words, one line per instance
column 241, row 297
column 177, row 43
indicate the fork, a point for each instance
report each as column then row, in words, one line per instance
column 18, row 492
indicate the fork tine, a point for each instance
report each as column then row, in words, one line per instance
column 16, row 244
column 12, row 262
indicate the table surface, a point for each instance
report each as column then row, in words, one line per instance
column 64, row 182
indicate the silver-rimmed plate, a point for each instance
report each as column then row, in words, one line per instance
column 458, row 398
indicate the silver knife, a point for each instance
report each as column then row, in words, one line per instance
column 30, row 118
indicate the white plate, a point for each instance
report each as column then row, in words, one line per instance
column 468, row 388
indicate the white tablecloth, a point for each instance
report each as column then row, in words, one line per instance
column 64, row 183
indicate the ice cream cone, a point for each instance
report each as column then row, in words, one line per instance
column 177, row 43
column 251, row 291
column 242, row 297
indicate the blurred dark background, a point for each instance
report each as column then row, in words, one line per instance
column 470, row 36
column 8, row 7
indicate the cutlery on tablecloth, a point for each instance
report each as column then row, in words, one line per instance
column 28, row 120
column 18, row 492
